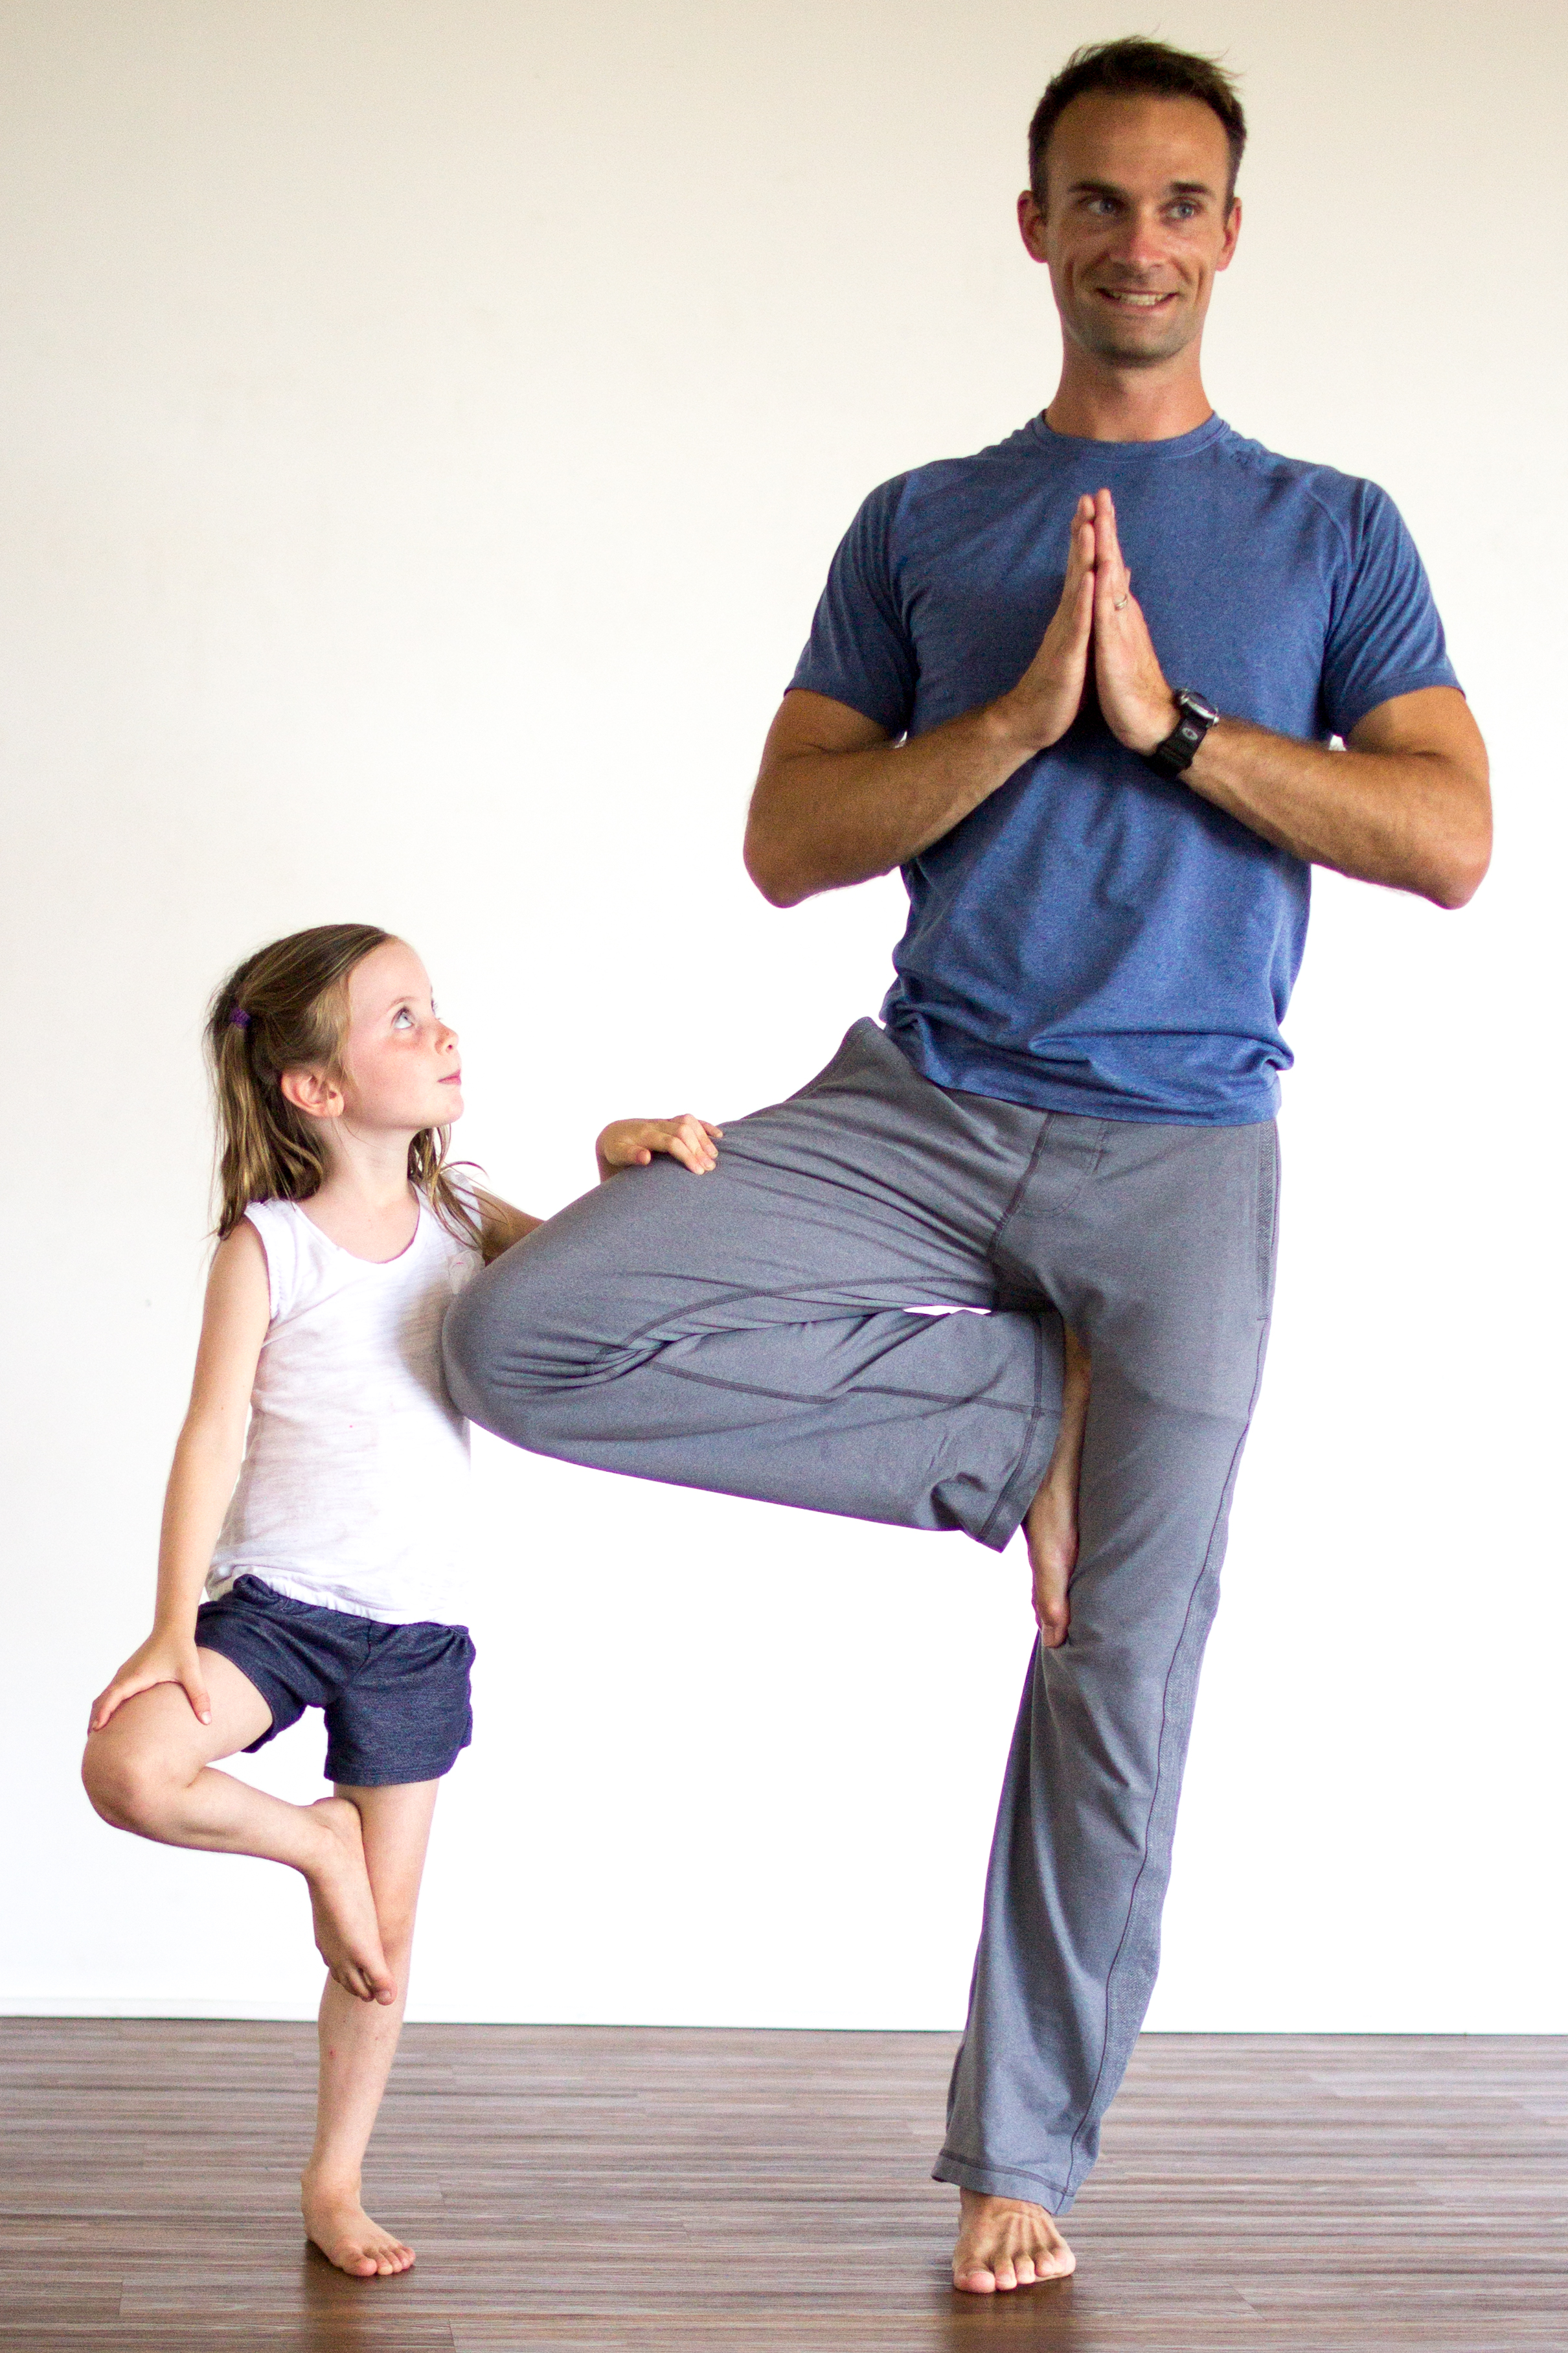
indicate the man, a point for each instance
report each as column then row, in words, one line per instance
column 1105, row 831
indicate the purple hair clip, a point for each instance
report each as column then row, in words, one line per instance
column 239, row 1018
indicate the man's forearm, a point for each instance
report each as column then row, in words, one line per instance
column 1415, row 820
column 824, row 819
column 836, row 803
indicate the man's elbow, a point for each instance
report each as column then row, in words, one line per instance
column 1456, row 888
column 769, row 870
column 1462, row 869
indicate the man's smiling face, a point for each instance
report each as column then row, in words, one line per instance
column 1138, row 219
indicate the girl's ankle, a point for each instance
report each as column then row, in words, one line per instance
column 318, row 2177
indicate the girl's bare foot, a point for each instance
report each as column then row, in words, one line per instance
column 347, row 1936
column 345, row 2234
column 1005, row 2242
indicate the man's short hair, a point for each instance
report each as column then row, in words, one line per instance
column 1120, row 67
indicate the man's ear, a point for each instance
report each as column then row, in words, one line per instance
column 1032, row 226
column 313, row 1092
column 1232, row 231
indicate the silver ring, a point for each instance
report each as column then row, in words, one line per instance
column 1117, row 602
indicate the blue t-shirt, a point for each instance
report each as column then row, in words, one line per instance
column 1096, row 937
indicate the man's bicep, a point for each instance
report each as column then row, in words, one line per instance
column 809, row 723
column 1434, row 720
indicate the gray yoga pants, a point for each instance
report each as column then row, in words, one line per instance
column 749, row 1332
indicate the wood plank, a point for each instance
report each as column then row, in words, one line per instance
column 586, row 2186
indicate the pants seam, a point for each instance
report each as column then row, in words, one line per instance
column 1019, row 1189
column 862, row 1388
column 1267, row 1216
column 1086, row 1177
column 834, row 1312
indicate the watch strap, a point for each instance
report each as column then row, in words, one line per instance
column 1175, row 755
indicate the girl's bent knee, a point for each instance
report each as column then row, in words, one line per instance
column 129, row 1791
column 105, row 1788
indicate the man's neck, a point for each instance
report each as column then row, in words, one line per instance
column 1094, row 402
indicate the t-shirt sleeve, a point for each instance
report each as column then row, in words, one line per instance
column 860, row 651
column 274, row 1227
column 1386, row 637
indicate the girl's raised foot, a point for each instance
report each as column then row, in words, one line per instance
column 1005, row 2242
column 338, row 2225
column 347, row 1936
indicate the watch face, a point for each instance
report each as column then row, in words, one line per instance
column 1197, row 706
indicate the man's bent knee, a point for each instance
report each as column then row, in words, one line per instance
column 477, row 1341
column 505, row 1351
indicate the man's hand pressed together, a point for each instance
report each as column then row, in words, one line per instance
column 1406, row 804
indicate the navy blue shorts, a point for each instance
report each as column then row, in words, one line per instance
column 396, row 1698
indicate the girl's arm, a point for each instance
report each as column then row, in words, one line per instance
column 625, row 1144
column 632, row 1143
column 208, row 1457
column 500, row 1224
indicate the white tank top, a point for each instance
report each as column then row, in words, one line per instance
column 354, row 1490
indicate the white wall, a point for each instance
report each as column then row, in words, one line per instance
column 424, row 427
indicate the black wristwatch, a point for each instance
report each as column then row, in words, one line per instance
column 1175, row 756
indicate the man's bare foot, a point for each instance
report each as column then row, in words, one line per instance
column 1003, row 2242
column 347, row 1935
column 1050, row 1530
column 345, row 2234
column 1050, row 1523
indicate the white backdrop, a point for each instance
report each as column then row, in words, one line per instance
column 424, row 427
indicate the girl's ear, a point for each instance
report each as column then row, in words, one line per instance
column 313, row 1092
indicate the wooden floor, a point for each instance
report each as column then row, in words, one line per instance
column 684, row 2192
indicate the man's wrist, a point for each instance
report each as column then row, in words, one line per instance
column 1156, row 729
column 1195, row 718
column 1003, row 730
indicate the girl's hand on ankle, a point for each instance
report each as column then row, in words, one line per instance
column 632, row 1143
column 164, row 1658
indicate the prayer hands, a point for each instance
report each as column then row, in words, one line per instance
column 1044, row 702
column 632, row 1143
column 1099, row 617
column 164, row 1658
column 1136, row 703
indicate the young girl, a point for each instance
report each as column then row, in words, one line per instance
column 330, row 1567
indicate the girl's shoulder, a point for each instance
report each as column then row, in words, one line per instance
column 459, row 1256
column 285, row 1234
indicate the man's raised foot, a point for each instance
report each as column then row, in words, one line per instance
column 1005, row 2242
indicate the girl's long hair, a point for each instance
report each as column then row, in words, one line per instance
column 286, row 1008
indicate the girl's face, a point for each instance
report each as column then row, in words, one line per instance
column 400, row 1062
